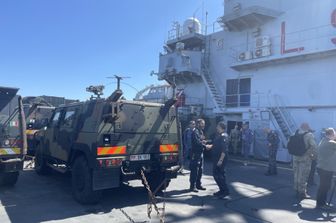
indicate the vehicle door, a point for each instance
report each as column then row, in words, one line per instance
column 52, row 133
column 67, row 132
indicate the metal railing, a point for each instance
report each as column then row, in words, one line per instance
column 314, row 39
column 177, row 30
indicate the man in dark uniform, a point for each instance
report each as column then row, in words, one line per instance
column 220, row 157
column 273, row 144
column 196, row 159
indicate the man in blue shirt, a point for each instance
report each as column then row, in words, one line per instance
column 187, row 140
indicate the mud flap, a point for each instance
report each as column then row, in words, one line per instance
column 106, row 178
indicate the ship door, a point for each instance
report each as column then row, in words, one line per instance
column 231, row 125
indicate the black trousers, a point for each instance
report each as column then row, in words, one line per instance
column 312, row 172
column 324, row 187
column 196, row 169
column 272, row 163
column 219, row 176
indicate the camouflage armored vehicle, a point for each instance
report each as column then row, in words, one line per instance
column 105, row 142
column 13, row 143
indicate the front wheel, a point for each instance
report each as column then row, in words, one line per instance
column 9, row 178
column 82, row 182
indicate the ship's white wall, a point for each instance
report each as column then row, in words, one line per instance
column 196, row 94
column 307, row 87
column 279, row 5
column 305, row 83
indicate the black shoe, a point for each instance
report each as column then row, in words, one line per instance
column 302, row 196
column 217, row 193
column 324, row 207
column 268, row 174
column 193, row 189
column 200, row 188
column 222, row 195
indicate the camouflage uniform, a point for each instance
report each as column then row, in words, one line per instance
column 302, row 164
column 235, row 136
column 247, row 138
column 273, row 144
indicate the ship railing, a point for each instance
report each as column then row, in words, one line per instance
column 310, row 40
column 257, row 100
column 177, row 30
column 277, row 105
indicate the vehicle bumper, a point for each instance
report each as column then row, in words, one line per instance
column 11, row 165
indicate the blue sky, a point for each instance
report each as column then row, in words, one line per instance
column 59, row 47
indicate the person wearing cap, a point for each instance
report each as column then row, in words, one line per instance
column 326, row 166
column 302, row 164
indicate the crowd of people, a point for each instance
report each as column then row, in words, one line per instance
column 321, row 156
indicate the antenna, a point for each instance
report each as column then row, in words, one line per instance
column 119, row 78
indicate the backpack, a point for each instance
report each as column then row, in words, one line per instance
column 296, row 145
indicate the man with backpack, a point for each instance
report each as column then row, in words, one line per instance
column 303, row 148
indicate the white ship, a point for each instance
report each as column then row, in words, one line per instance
column 271, row 64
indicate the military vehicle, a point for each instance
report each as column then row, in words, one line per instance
column 13, row 143
column 37, row 112
column 105, row 142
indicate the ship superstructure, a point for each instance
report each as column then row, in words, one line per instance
column 272, row 64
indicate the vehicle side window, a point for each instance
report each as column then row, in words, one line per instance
column 55, row 119
column 69, row 118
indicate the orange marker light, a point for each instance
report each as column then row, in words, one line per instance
column 111, row 150
column 168, row 148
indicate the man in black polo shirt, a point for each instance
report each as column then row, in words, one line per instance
column 220, row 157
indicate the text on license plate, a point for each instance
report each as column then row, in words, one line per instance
column 140, row 157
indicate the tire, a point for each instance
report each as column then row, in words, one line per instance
column 41, row 164
column 82, row 183
column 154, row 180
column 9, row 178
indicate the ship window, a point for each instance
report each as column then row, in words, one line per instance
column 238, row 92
column 232, row 93
column 244, row 91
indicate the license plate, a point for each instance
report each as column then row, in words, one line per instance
column 140, row 157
